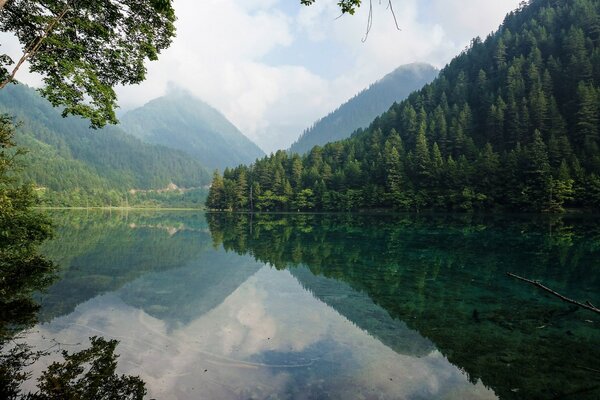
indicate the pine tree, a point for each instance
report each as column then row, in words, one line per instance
column 216, row 193
column 586, row 117
column 561, row 189
column 422, row 160
column 537, row 174
column 241, row 188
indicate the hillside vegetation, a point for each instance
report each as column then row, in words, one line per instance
column 359, row 111
column 511, row 123
column 76, row 166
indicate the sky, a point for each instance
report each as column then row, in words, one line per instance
column 273, row 67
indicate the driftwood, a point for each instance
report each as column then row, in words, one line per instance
column 587, row 305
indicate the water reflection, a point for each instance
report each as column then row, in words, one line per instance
column 357, row 307
column 268, row 338
column 444, row 276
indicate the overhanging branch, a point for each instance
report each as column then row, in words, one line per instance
column 34, row 47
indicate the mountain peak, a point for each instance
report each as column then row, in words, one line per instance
column 185, row 122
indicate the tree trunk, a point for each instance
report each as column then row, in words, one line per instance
column 2, row 3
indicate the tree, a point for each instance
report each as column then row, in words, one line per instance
column 537, row 173
column 84, row 375
column 84, row 48
column 304, row 200
column 586, row 125
column 22, row 269
column 216, row 193
column 241, row 190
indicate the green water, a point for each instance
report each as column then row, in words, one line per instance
column 219, row 306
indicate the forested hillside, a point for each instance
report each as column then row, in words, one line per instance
column 74, row 165
column 181, row 121
column 511, row 123
column 359, row 111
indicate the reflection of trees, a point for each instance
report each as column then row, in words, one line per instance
column 22, row 269
column 100, row 252
column 445, row 277
column 89, row 374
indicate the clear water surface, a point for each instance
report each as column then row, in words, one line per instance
column 236, row 306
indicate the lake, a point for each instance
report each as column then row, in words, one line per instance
column 330, row 306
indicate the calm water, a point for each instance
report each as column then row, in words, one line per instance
column 230, row 306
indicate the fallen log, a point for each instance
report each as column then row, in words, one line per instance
column 587, row 305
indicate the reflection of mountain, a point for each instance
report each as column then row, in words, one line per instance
column 444, row 276
column 360, row 309
column 100, row 252
column 178, row 296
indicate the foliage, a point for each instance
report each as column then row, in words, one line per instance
column 84, row 48
column 511, row 123
column 73, row 166
column 22, row 269
column 346, row 6
column 88, row 375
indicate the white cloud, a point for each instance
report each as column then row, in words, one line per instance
column 224, row 54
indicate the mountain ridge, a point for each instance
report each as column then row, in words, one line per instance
column 76, row 165
column 360, row 110
column 184, row 122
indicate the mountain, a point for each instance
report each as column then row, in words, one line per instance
column 511, row 123
column 181, row 121
column 359, row 111
column 77, row 166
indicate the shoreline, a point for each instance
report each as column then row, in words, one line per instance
column 121, row 208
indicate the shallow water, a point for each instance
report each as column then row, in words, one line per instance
column 219, row 306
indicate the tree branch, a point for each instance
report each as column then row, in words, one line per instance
column 34, row 47
column 587, row 305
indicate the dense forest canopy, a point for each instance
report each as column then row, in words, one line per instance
column 512, row 122
column 71, row 165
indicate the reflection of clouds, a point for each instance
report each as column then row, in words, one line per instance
column 231, row 351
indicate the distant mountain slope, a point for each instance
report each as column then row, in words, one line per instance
column 361, row 110
column 65, row 156
column 181, row 121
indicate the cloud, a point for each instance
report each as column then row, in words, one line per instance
column 273, row 67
